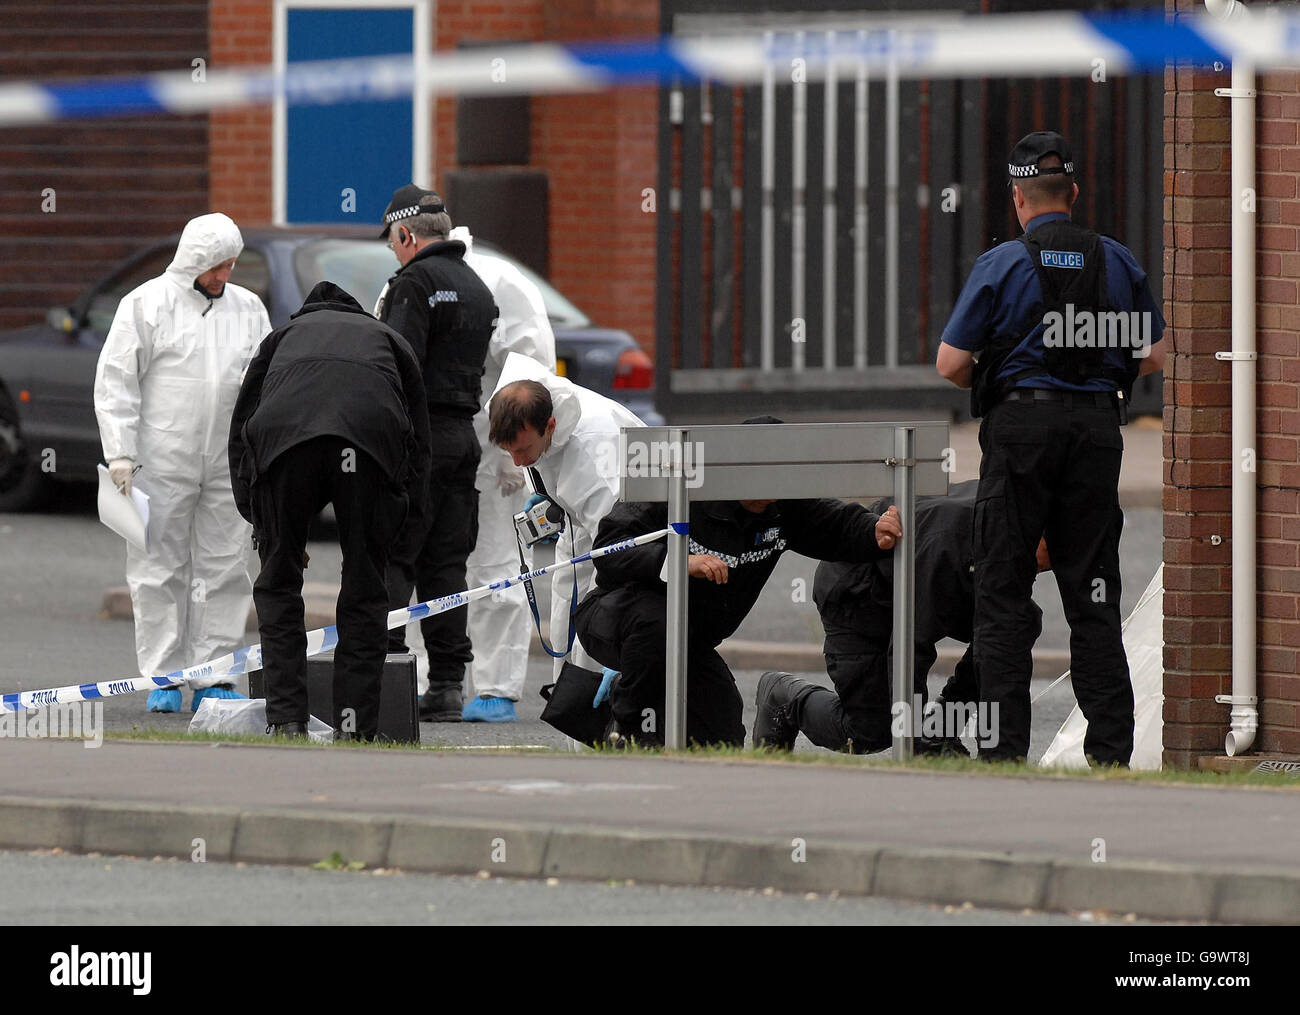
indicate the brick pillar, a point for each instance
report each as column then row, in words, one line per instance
column 1197, row 416
column 1197, row 427
column 239, row 163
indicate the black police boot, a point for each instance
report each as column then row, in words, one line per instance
column 441, row 703
column 777, row 725
column 287, row 730
column 939, row 747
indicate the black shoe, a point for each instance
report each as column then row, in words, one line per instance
column 775, row 725
column 939, row 747
column 289, row 730
column 441, row 703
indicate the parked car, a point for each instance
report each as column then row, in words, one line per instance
column 48, row 431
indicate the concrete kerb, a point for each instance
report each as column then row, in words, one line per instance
column 1013, row 881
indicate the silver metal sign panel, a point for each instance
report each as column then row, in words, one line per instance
column 778, row 461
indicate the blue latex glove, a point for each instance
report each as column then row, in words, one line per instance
column 606, row 681
column 538, row 498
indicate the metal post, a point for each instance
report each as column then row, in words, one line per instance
column 767, row 254
column 798, row 214
column 892, row 115
column 904, row 642
column 674, row 721
column 860, row 250
column 830, row 175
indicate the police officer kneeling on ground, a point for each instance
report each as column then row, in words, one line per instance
column 855, row 602
column 734, row 548
column 1063, row 322
column 331, row 411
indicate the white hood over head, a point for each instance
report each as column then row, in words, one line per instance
column 206, row 242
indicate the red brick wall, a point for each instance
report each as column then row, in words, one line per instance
column 1197, row 415
column 118, row 182
column 599, row 152
column 240, row 140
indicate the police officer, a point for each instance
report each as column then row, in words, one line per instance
column 1062, row 321
column 446, row 313
column 331, row 410
column 855, row 602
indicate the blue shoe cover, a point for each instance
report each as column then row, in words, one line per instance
column 211, row 692
column 489, row 710
column 165, row 699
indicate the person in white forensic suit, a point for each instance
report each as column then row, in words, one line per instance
column 567, row 437
column 165, row 387
column 499, row 625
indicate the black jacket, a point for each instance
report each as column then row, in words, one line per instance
column 333, row 370
column 751, row 544
column 945, row 590
column 438, row 304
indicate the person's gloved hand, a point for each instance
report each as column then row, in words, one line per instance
column 606, row 680
column 538, row 498
column 510, row 478
column 120, row 471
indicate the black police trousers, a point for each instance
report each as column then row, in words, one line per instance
column 430, row 554
column 857, row 716
column 625, row 629
column 1051, row 468
column 369, row 512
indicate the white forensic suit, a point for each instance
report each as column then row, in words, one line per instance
column 580, row 472
column 165, row 387
column 500, row 626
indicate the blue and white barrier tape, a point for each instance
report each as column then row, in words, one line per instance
column 321, row 640
column 1005, row 45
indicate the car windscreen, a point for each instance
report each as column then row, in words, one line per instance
column 362, row 267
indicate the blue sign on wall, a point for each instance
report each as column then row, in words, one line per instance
column 364, row 146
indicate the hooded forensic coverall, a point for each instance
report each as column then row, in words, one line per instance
column 580, row 472
column 165, row 387
column 499, row 626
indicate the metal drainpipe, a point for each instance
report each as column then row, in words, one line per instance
column 1245, row 714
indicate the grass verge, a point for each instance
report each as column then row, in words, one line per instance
column 878, row 762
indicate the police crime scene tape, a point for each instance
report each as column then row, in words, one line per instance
column 323, row 639
column 1048, row 44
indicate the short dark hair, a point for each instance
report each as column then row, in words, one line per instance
column 1052, row 188
column 517, row 405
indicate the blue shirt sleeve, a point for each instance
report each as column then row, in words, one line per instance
column 972, row 316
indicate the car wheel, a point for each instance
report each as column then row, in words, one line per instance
column 23, row 486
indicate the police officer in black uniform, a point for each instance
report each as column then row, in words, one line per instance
column 331, row 410
column 856, row 606
column 1062, row 322
column 442, row 308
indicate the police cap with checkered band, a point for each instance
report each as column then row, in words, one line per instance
column 409, row 201
column 1031, row 149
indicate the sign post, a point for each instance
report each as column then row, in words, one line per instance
column 797, row 461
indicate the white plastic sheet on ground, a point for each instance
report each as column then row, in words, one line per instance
column 246, row 716
column 1144, row 644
